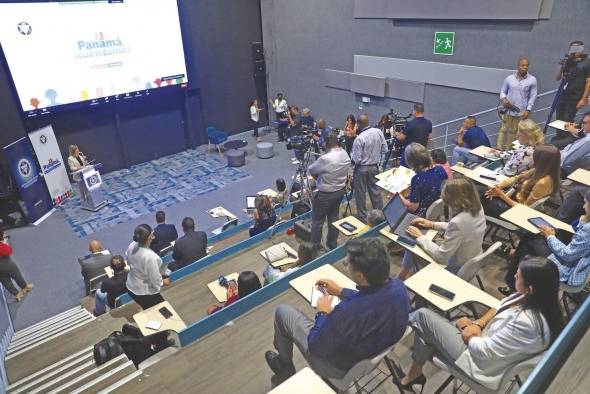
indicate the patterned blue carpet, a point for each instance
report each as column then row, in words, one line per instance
column 148, row 187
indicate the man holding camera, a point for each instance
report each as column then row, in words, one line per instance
column 331, row 172
column 575, row 69
column 518, row 95
column 366, row 155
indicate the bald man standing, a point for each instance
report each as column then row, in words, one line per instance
column 366, row 155
column 94, row 264
column 518, row 95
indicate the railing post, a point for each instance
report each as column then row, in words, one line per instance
column 446, row 137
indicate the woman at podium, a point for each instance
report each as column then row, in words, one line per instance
column 77, row 159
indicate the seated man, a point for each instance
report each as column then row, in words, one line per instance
column 307, row 120
column 94, row 264
column 366, row 322
column 111, row 288
column 577, row 154
column 469, row 136
column 164, row 233
column 189, row 248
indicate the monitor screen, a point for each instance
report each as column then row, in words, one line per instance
column 394, row 210
column 91, row 53
column 251, row 202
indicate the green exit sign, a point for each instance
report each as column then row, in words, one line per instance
column 444, row 42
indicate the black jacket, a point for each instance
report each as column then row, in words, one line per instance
column 189, row 248
column 165, row 234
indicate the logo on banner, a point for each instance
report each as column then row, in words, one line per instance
column 43, row 139
column 24, row 28
column 51, row 165
column 24, row 168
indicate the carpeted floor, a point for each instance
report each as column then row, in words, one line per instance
column 148, row 187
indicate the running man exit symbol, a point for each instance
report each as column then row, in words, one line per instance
column 444, row 43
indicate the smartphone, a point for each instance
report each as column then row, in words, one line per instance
column 442, row 292
column 165, row 312
column 348, row 227
column 539, row 221
column 491, row 178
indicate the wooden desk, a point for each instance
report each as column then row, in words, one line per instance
column 395, row 180
column 485, row 152
column 305, row 283
column 219, row 212
column 417, row 250
column 352, row 220
column 519, row 215
column 219, row 291
column 401, row 170
column 286, row 260
column 476, row 173
column 558, row 124
column 174, row 322
column 303, row 382
column 464, row 291
column 268, row 192
column 581, row 176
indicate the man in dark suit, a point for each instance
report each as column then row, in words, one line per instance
column 190, row 247
column 164, row 233
column 94, row 264
column 111, row 288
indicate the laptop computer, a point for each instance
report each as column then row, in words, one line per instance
column 250, row 203
column 399, row 218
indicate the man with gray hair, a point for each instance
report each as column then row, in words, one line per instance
column 366, row 155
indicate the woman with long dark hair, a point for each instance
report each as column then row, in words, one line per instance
column 541, row 181
column 264, row 215
column 525, row 324
column 246, row 284
column 146, row 270
column 350, row 132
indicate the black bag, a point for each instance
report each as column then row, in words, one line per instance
column 108, row 348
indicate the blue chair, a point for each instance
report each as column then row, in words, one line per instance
column 215, row 137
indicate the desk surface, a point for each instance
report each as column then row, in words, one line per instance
column 219, row 212
column 219, row 291
column 351, row 220
column 303, row 382
column 268, row 192
column 519, row 215
column 417, row 250
column 305, row 283
column 286, row 260
column 485, row 152
column 476, row 173
column 464, row 291
column 174, row 322
column 581, row 176
column 395, row 180
column 558, row 124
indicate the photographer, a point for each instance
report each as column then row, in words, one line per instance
column 575, row 68
column 417, row 130
column 331, row 171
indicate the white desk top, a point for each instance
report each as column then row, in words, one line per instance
column 581, row 176
column 219, row 212
column 219, row 291
column 558, row 124
column 417, row 250
column 476, row 173
column 286, row 260
column 519, row 215
column 351, row 220
column 305, row 283
column 303, row 382
column 464, row 292
column 174, row 322
column 268, row 192
column 485, row 152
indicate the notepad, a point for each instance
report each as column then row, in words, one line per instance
column 316, row 294
column 153, row 325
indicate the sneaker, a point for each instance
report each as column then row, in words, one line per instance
column 29, row 288
column 20, row 295
column 277, row 366
column 505, row 290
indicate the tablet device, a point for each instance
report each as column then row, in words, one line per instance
column 538, row 222
column 449, row 295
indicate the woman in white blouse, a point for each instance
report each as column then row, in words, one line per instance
column 524, row 325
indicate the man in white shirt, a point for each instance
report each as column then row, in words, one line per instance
column 282, row 112
column 366, row 155
column 255, row 117
column 331, row 172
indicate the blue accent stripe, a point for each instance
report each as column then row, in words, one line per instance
column 213, row 322
column 549, row 366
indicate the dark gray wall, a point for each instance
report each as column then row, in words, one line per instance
column 304, row 37
column 217, row 37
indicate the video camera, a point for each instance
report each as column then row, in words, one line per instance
column 572, row 58
column 300, row 142
column 394, row 119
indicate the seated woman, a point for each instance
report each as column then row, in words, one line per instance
column 572, row 260
column 541, row 181
column 306, row 252
column 264, row 215
column 524, row 325
column 426, row 184
column 282, row 191
column 247, row 283
column 529, row 136
column 464, row 233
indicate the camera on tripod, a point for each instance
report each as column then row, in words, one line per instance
column 299, row 142
column 574, row 56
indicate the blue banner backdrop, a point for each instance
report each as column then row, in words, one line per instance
column 33, row 190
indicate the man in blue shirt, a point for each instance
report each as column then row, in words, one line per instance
column 417, row 130
column 469, row 137
column 365, row 323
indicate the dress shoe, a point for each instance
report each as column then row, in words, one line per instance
column 420, row 380
column 279, row 367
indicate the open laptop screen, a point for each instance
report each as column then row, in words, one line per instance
column 394, row 210
column 250, row 202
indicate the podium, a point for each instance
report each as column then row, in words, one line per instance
column 89, row 184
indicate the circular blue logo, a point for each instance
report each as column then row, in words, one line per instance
column 25, row 168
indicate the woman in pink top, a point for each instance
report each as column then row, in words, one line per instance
column 439, row 158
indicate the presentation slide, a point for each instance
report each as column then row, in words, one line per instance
column 91, row 52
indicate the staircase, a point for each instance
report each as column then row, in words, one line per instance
column 46, row 330
column 78, row 374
